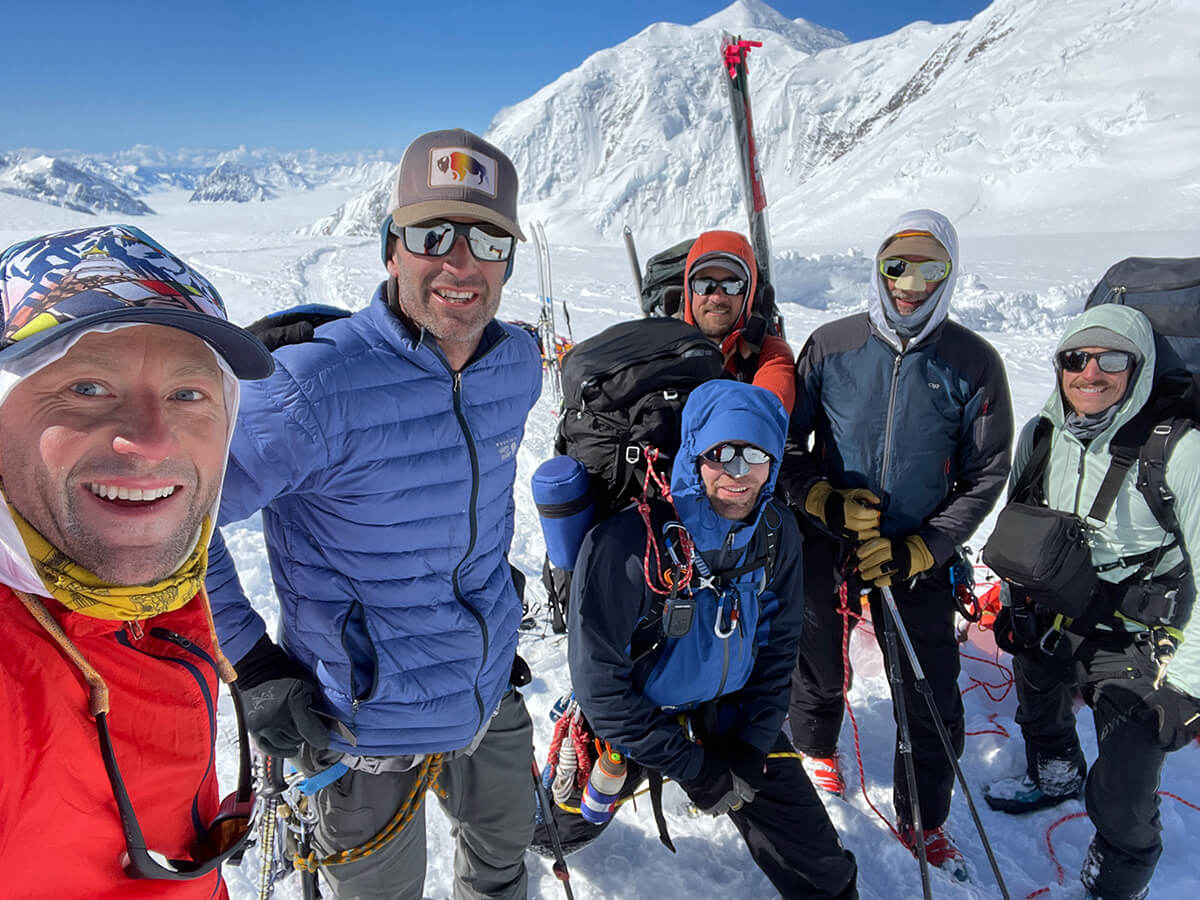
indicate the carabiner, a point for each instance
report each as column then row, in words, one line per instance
column 733, row 618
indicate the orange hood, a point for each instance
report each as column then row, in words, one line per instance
column 712, row 244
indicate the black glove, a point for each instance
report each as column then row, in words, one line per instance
column 293, row 326
column 1175, row 715
column 717, row 789
column 712, row 782
column 749, row 764
column 280, row 700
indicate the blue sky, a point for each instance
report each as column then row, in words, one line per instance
column 332, row 75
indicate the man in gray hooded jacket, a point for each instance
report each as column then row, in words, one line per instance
column 910, row 425
column 1104, row 369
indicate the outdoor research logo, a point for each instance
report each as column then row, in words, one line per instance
column 460, row 167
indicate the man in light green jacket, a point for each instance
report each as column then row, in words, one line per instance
column 1143, row 708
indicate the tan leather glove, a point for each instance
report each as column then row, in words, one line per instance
column 849, row 513
column 880, row 560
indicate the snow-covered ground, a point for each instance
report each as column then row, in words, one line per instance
column 1018, row 290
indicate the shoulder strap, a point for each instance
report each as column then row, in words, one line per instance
column 766, row 543
column 1029, row 485
column 1152, row 472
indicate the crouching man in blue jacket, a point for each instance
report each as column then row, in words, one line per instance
column 682, row 658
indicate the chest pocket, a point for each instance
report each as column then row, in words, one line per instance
column 717, row 654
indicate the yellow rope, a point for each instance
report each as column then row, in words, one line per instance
column 427, row 777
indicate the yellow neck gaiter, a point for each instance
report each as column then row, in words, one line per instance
column 80, row 591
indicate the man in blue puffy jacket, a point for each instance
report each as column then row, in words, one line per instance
column 382, row 454
column 898, row 448
column 694, row 684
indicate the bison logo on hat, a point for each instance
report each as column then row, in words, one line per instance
column 460, row 167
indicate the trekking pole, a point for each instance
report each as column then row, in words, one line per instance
column 922, row 685
column 270, row 790
column 896, row 679
column 633, row 260
column 560, row 861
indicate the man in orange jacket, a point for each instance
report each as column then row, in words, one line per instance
column 118, row 393
column 720, row 280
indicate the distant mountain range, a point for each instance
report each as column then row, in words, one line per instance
column 1035, row 116
column 113, row 183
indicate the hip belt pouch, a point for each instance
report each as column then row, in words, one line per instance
column 1044, row 553
column 563, row 497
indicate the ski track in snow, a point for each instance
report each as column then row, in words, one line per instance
column 260, row 268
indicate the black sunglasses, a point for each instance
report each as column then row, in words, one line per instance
column 225, row 838
column 727, row 453
column 1110, row 361
column 733, row 287
column 438, row 238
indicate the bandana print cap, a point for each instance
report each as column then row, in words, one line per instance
column 62, row 283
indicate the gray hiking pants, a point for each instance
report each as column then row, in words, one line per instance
column 489, row 800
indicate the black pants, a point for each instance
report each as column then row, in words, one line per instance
column 790, row 836
column 1121, row 793
column 927, row 611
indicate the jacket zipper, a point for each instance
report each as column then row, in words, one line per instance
column 458, row 594
column 887, row 430
column 1078, row 478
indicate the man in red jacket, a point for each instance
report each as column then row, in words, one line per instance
column 720, row 280
column 118, row 392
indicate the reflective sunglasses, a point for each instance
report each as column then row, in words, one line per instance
column 931, row 270
column 225, row 838
column 727, row 453
column 1110, row 361
column 733, row 287
column 437, row 239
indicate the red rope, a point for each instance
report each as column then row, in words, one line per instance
column 686, row 546
column 1004, row 686
column 582, row 741
column 998, row 729
column 846, row 614
column 1060, row 873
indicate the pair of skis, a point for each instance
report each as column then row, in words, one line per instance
column 734, row 51
column 553, row 347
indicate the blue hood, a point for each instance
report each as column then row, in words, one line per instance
column 720, row 411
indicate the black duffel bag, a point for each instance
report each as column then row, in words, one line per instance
column 1044, row 554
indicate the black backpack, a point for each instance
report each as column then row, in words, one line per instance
column 624, row 391
column 662, row 293
column 1167, row 291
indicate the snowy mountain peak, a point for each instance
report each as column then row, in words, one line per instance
column 54, row 181
column 230, row 182
column 746, row 17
